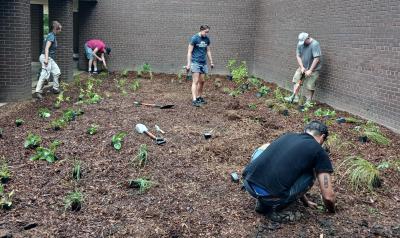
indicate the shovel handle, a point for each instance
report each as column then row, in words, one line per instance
column 148, row 104
column 150, row 135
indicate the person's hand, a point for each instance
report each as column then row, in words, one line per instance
column 308, row 73
column 212, row 65
column 187, row 67
column 303, row 70
column 312, row 204
column 46, row 62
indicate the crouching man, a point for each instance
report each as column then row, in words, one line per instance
column 283, row 171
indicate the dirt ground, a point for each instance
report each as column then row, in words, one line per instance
column 193, row 195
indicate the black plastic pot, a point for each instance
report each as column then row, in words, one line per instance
column 363, row 139
column 4, row 180
column 134, row 184
column 76, row 206
column 207, row 135
column 229, row 77
column 376, row 183
column 285, row 112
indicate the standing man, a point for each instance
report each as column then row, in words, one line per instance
column 198, row 48
column 308, row 55
column 283, row 171
column 92, row 47
column 47, row 59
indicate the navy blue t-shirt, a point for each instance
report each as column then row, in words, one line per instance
column 285, row 160
column 200, row 44
column 53, row 47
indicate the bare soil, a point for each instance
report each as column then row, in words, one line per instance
column 193, row 195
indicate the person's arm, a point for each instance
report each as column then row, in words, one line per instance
column 189, row 56
column 209, row 57
column 328, row 195
column 313, row 65
column 95, row 55
column 104, row 60
column 46, row 52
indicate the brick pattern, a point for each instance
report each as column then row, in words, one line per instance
column 15, row 52
column 36, row 31
column 62, row 11
column 158, row 31
column 361, row 47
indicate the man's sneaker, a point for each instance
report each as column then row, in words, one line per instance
column 289, row 98
column 196, row 103
column 55, row 91
column 201, row 100
column 38, row 96
column 261, row 208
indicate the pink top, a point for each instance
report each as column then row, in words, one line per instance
column 93, row 44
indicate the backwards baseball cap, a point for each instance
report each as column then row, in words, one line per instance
column 302, row 37
column 108, row 50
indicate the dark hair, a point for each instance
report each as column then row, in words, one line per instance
column 204, row 27
column 108, row 50
column 317, row 128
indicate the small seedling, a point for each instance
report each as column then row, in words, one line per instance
column 306, row 119
column 125, row 73
column 76, row 170
column 383, row 165
column 264, row 90
column 32, row 141
column 121, row 84
column 69, row 115
column 142, row 184
column 142, row 155
column 279, row 95
column 73, row 201
column 135, row 85
column 92, row 129
column 60, row 98
column 362, row 173
column 146, row 68
column 116, row 140
column 5, row 199
column 255, row 82
column 1, row 132
column 19, row 122
column 44, row 113
column 45, row 153
column 57, row 124
column 252, row 106
column 4, row 171
column 324, row 113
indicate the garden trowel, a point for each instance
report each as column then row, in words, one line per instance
column 140, row 128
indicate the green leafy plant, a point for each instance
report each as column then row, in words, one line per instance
column 19, row 122
column 4, row 171
column 116, row 140
column 88, row 95
column 264, row 90
column 324, row 113
column 239, row 71
column 135, row 85
column 125, row 73
column 143, row 69
column 255, row 82
column 279, row 95
column 69, row 115
column 307, row 119
column 44, row 112
column 76, row 170
column 57, row 124
column 383, row 165
column 60, row 99
column 121, row 84
column 32, row 141
column 45, row 153
column 142, row 155
column 142, row 184
column 5, row 198
column 362, row 173
column 232, row 92
column 252, row 106
column 373, row 133
column 92, row 129
column 73, row 201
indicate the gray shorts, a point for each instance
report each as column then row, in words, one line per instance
column 199, row 68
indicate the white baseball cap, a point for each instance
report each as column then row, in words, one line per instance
column 302, row 37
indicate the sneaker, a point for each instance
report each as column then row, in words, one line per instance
column 261, row 208
column 201, row 100
column 196, row 103
column 55, row 91
column 289, row 98
column 38, row 96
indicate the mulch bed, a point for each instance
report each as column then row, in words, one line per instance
column 193, row 195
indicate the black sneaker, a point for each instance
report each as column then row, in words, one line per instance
column 196, row 103
column 55, row 91
column 38, row 96
column 201, row 100
column 261, row 208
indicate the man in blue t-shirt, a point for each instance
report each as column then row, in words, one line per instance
column 198, row 49
column 283, row 171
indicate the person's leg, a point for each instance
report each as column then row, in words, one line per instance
column 89, row 56
column 195, row 82
column 55, row 71
column 203, row 72
column 94, row 65
column 310, row 83
column 296, row 79
column 44, row 74
column 90, row 65
column 298, row 189
column 200, row 85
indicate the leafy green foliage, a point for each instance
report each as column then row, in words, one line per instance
column 383, row 165
column 142, row 155
column 232, row 92
column 252, row 106
column 125, row 73
column 92, row 129
column 76, row 170
column 69, row 115
column 117, row 140
column 57, row 124
column 4, row 170
column 239, row 71
column 5, row 198
column 279, row 95
column 372, row 131
column 307, row 119
column 44, row 112
column 73, row 201
column 135, row 85
column 89, row 95
column 19, row 122
column 143, row 69
column 142, row 184
column 362, row 173
column 255, row 82
column 121, row 84
column 32, row 141
column 45, row 153
column 324, row 113
column 60, row 99
column 264, row 90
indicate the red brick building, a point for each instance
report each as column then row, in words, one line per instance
column 359, row 40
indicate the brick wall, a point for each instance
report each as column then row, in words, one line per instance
column 36, row 31
column 62, row 11
column 15, row 52
column 361, row 47
column 158, row 31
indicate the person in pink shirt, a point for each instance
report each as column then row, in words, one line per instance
column 94, row 48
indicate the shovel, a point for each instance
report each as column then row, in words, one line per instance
column 297, row 88
column 154, row 105
column 140, row 128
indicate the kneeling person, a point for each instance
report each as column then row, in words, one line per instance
column 282, row 172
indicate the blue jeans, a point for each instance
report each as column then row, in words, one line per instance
column 88, row 52
column 199, row 68
column 298, row 189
